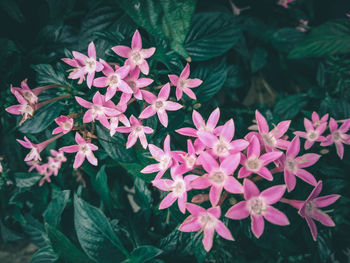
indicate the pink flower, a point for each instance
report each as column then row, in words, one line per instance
column 164, row 159
column 99, row 109
column 178, row 188
column 29, row 95
column 65, row 125
column 135, row 83
column 284, row 3
column 316, row 121
column 114, row 121
column 272, row 139
column 137, row 130
column 184, row 84
column 58, row 155
column 83, row 149
column 84, row 65
column 114, row 80
column 223, row 146
column 254, row 163
column 311, row 135
column 200, row 124
column 187, row 159
column 293, row 165
column 136, row 56
column 206, row 221
column 259, row 206
column 338, row 136
column 159, row 105
column 53, row 166
column 24, row 108
column 309, row 209
column 218, row 177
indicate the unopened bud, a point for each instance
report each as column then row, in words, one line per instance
column 200, row 198
column 197, row 106
column 324, row 151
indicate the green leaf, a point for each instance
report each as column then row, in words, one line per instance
column 95, row 234
column 211, row 35
column 53, row 212
column 36, row 231
column 143, row 254
column 258, row 60
column 8, row 235
column 236, row 77
column 115, row 146
column 167, row 19
column 288, row 107
column 26, row 179
column 47, row 75
column 286, row 38
column 12, row 9
column 213, row 74
column 42, row 118
column 44, row 255
column 100, row 185
column 64, row 248
column 330, row 38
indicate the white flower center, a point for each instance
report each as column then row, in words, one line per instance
column 29, row 96
column 337, row 136
column 84, row 149
column 67, row 125
column 164, row 162
column 59, row 157
column 183, row 83
column 291, row 165
column 218, row 177
column 253, row 164
column 178, row 188
column 132, row 84
column 136, row 57
column 190, row 161
column 257, row 205
column 27, row 109
column 138, row 129
column 309, row 208
column 90, row 65
column 269, row 139
column 312, row 135
column 97, row 110
column 207, row 220
column 159, row 105
column 221, row 149
column 113, row 80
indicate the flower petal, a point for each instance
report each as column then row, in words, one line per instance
column 257, row 225
column 238, row 211
column 223, row 231
column 250, row 189
column 275, row 216
column 273, row 194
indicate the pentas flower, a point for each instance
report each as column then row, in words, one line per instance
column 188, row 160
column 218, row 177
column 338, row 136
column 84, row 65
column 58, row 155
column 259, row 207
column 43, row 170
column 83, row 149
column 29, row 95
column 136, row 130
column 184, row 84
column 65, row 125
column 99, row 109
column 222, row 145
column 114, row 80
column 163, row 157
column 312, row 134
column 254, row 163
column 178, row 188
column 53, row 166
column 114, row 121
column 206, row 221
column 293, row 165
column 200, row 124
column 317, row 121
column 159, row 105
column 310, row 208
column 136, row 56
column 285, row 3
column 24, row 108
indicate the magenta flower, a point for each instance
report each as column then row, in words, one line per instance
column 65, row 125
column 218, row 177
column 293, row 165
column 259, row 207
column 272, row 139
column 136, row 131
column 187, row 159
column 53, row 166
column 114, row 121
column 159, row 105
column 338, row 136
column 84, row 65
column 29, row 95
column 184, row 84
column 316, row 121
column 223, row 146
column 114, row 80
column 206, row 221
column 178, row 188
column 285, row 3
column 312, row 135
column 254, row 163
column 83, row 149
column 24, row 108
column 58, row 155
column 136, row 56
column 99, row 109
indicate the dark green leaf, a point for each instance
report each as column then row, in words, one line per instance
column 288, row 107
column 211, row 35
column 52, row 214
column 143, row 254
column 258, row 60
column 12, row 9
column 7, row 234
column 47, row 75
column 100, row 185
column 26, row 179
column 332, row 37
column 286, row 38
column 36, row 231
column 236, row 77
column 44, row 255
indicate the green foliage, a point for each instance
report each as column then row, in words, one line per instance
column 53, row 212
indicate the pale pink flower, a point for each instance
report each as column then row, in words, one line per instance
column 84, row 65
column 159, row 105
column 200, row 125
column 53, row 166
column 136, row 56
column 206, row 221
column 65, row 125
column 259, row 207
column 312, row 134
column 99, row 109
column 303, row 25
column 285, row 3
column 33, row 165
column 43, row 170
column 31, row 96
column 222, row 145
column 184, row 84
column 137, row 130
column 254, row 163
column 338, row 136
column 178, row 187
column 24, row 108
column 218, row 177
column 316, row 121
column 163, row 157
column 114, row 121
column 293, row 165
column 187, row 159
column 58, row 155
column 309, row 209
column 114, row 80
column 83, row 149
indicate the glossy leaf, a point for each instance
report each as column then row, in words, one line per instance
column 53, row 212
column 143, row 254
column 26, row 179
column 44, row 255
